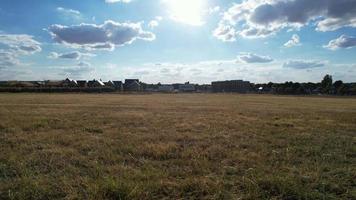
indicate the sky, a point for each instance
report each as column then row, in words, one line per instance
column 174, row 41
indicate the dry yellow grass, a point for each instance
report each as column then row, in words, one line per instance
column 185, row 146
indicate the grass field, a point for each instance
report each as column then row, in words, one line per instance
column 184, row 146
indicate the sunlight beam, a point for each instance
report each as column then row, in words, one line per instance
column 187, row 11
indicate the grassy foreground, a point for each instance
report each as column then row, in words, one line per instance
column 185, row 146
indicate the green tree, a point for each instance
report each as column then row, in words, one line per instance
column 342, row 90
column 338, row 86
column 327, row 84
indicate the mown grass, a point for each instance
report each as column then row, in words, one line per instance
column 185, row 146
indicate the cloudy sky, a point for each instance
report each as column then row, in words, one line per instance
column 178, row 40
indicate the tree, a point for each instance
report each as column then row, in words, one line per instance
column 342, row 90
column 337, row 84
column 352, row 89
column 327, row 84
column 339, row 87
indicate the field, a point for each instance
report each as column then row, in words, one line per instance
column 176, row 146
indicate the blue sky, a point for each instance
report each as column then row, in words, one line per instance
column 178, row 40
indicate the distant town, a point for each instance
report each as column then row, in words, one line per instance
column 326, row 86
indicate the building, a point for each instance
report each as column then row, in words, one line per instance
column 238, row 86
column 69, row 83
column 82, row 83
column 187, row 87
column 96, row 83
column 119, row 86
column 132, row 85
column 39, row 83
column 150, row 87
column 110, row 84
column 165, row 88
column 203, row 88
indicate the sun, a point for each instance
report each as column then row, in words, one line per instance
column 187, row 11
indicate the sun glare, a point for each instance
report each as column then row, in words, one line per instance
column 187, row 11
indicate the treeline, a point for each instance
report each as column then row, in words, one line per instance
column 326, row 86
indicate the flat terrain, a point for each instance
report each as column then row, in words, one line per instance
column 184, row 146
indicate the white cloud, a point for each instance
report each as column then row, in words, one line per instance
column 80, row 70
column 154, row 23
column 262, row 18
column 67, row 11
column 176, row 72
column 8, row 59
column 94, row 37
column 76, row 55
column 303, row 64
column 226, row 33
column 343, row 42
column 13, row 46
column 106, row 46
column 294, row 41
column 24, row 44
column 332, row 24
column 141, row 73
column 16, row 73
column 254, row 32
column 84, row 64
column 167, row 72
column 253, row 58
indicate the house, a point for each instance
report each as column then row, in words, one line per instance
column 38, row 83
column 187, row 87
column 176, row 86
column 132, row 85
column 110, row 84
column 69, row 83
column 95, row 83
column 119, row 86
column 165, row 88
column 203, row 88
column 82, row 83
column 150, row 87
